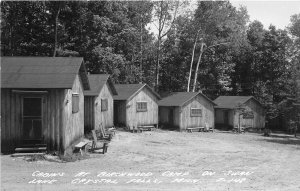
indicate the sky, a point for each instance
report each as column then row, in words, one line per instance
column 270, row 12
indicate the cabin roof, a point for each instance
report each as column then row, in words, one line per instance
column 180, row 98
column 42, row 72
column 127, row 91
column 97, row 81
column 231, row 102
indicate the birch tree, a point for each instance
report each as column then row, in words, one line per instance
column 165, row 13
column 219, row 24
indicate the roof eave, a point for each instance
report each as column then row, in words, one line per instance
column 197, row 95
column 136, row 92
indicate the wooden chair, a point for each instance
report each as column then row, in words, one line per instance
column 95, row 141
column 238, row 130
column 103, row 134
column 208, row 128
column 112, row 131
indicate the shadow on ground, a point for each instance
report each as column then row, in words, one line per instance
column 284, row 136
column 284, row 139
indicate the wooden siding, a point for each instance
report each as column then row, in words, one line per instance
column 177, row 118
column 150, row 117
column 259, row 117
column 231, row 118
column 104, row 117
column 11, row 118
column 208, row 115
column 74, row 122
column 257, row 122
column 89, row 113
column 60, row 127
column 54, row 132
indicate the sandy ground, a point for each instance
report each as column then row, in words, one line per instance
column 168, row 160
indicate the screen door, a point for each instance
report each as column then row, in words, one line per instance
column 32, row 118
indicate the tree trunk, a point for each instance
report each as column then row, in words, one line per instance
column 10, row 44
column 141, row 59
column 198, row 63
column 157, row 66
column 191, row 65
column 55, row 30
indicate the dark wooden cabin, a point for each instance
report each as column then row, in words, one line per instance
column 229, row 112
column 98, row 102
column 183, row 110
column 42, row 101
column 135, row 105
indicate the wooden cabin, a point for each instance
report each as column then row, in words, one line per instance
column 98, row 102
column 42, row 101
column 183, row 110
column 135, row 105
column 232, row 111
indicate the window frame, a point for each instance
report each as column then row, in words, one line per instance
column 192, row 114
column 75, row 102
column 105, row 100
column 141, row 109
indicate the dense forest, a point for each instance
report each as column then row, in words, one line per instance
column 210, row 47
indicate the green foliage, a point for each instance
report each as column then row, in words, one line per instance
column 239, row 58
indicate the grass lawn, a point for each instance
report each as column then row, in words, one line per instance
column 168, row 160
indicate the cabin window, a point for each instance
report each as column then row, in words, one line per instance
column 196, row 112
column 104, row 104
column 141, row 106
column 75, row 102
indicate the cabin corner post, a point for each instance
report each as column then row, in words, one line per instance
column 181, row 127
column 126, row 114
column 62, row 124
column 66, row 115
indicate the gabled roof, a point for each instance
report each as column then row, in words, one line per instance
column 127, row 91
column 180, row 98
column 42, row 72
column 97, row 81
column 231, row 102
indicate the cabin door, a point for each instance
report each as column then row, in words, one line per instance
column 226, row 117
column 171, row 116
column 32, row 120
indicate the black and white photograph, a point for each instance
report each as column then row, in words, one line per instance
column 150, row 95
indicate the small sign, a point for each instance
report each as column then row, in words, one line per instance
column 248, row 115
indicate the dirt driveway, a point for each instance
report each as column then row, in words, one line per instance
column 167, row 160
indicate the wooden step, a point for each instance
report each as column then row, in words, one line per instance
column 25, row 154
column 30, row 149
column 32, row 145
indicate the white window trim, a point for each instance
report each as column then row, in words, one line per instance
column 75, row 94
column 141, row 110
column 104, row 99
column 193, row 115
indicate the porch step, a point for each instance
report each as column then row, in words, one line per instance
column 30, row 149
column 26, row 154
column 32, row 145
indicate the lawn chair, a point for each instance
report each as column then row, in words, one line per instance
column 236, row 129
column 112, row 131
column 103, row 134
column 95, row 141
column 208, row 129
